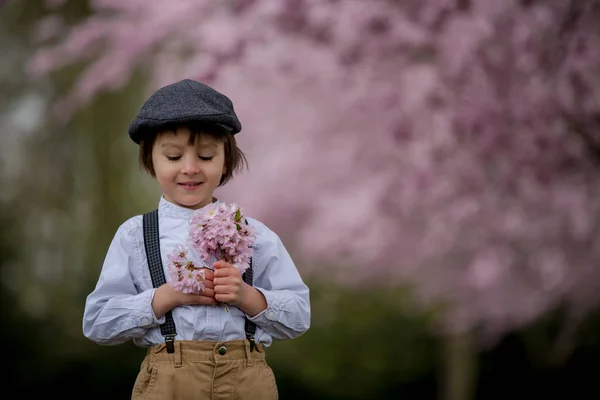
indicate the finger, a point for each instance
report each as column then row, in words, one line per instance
column 204, row 300
column 226, row 272
column 221, row 264
column 222, row 273
column 208, row 274
column 208, row 284
column 226, row 289
column 227, row 281
column 207, row 293
column 225, row 298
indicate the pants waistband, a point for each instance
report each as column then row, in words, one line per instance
column 195, row 350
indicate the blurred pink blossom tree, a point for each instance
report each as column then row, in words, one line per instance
column 449, row 144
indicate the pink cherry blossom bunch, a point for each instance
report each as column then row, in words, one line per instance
column 184, row 275
column 220, row 230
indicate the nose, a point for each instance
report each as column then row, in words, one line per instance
column 190, row 166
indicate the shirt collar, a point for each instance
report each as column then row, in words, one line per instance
column 170, row 210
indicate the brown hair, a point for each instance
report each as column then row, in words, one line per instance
column 235, row 159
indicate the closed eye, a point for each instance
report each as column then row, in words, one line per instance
column 173, row 158
column 206, row 158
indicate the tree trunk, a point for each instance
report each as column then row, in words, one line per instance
column 459, row 368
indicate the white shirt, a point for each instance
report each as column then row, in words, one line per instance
column 119, row 308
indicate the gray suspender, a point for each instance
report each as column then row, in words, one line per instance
column 152, row 246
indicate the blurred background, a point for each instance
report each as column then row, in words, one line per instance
column 431, row 165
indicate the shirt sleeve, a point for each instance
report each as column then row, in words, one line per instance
column 287, row 315
column 115, row 311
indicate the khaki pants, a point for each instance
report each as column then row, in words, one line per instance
column 205, row 370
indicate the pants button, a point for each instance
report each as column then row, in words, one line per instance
column 222, row 350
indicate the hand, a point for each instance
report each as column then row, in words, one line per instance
column 228, row 283
column 231, row 289
column 167, row 298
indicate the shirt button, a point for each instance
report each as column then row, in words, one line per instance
column 271, row 315
column 222, row 350
column 145, row 321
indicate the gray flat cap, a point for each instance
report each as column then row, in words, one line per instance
column 184, row 102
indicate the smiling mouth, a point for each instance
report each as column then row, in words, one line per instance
column 190, row 185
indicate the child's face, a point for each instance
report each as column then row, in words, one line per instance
column 188, row 174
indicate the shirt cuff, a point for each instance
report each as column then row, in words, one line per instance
column 142, row 310
column 272, row 312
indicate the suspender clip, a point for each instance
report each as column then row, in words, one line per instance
column 252, row 342
column 170, row 342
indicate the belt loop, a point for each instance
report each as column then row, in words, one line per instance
column 249, row 359
column 178, row 356
column 158, row 348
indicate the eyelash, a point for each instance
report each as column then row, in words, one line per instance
column 176, row 158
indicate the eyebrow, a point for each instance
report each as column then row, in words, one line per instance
column 208, row 145
column 170, row 144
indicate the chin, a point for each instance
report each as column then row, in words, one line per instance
column 192, row 203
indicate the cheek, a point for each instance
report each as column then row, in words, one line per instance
column 161, row 168
column 222, row 168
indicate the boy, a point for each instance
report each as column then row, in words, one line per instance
column 196, row 349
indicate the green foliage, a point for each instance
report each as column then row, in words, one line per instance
column 358, row 348
column 361, row 345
